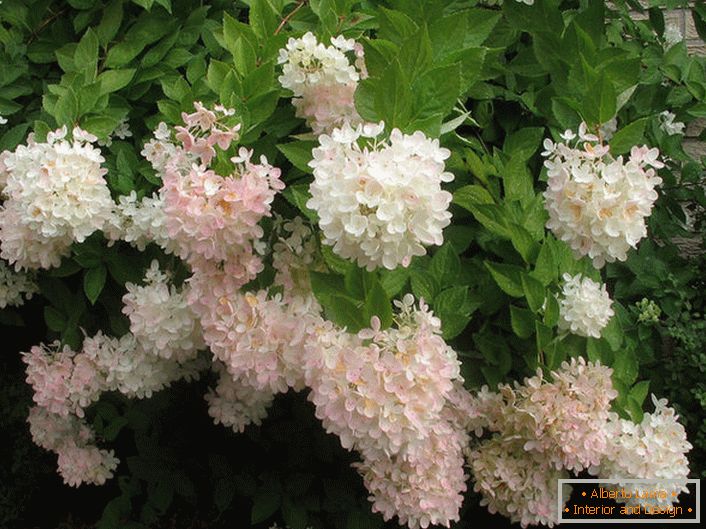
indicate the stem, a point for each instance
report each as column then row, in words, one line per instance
column 45, row 23
column 286, row 19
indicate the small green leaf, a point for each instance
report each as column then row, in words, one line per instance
column 298, row 153
column 445, row 265
column 508, row 277
column 94, row 281
column 522, row 321
column 55, row 320
column 627, row 137
column 378, row 304
column 534, row 292
column 265, row 504
column 113, row 80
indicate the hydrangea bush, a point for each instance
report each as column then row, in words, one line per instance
column 455, row 228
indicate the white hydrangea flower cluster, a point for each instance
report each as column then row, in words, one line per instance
column 141, row 222
column 121, row 131
column 382, row 203
column 15, row 287
column 323, row 80
column 55, row 195
column 160, row 317
column 585, row 307
column 653, row 449
column 133, row 370
column 596, row 203
column 3, row 120
column 668, row 125
column 294, row 254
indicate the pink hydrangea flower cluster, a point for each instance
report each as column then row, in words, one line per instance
column 55, row 193
column 235, row 404
column 65, row 382
column 79, row 460
column 384, row 393
column 161, row 318
column 380, row 204
column 598, row 204
column 209, row 215
column 541, row 430
column 323, row 80
column 515, row 482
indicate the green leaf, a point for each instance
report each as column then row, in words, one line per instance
column 534, row 292
column 94, row 281
column 517, row 180
column 545, row 269
column 298, row 195
column 66, row 108
column 378, row 304
column 445, row 265
column 523, row 143
column 393, row 99
column 613, row 332
column 393, row 281
column 508, row 277
column 298, row 153
column 86, row 54
column 415, row 54
column 454, row 308
column 522, row 321
column 424, row 285
column 110, row 22
column 326, row 286
column 113, row 80
column 343, row 311
column 600, row 101
column 395, row 25
column 639, row 391
column 469, row 196
column 265, row 504
column 55, row 320
column 627, row 137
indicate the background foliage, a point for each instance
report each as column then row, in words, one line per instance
column 492, row 82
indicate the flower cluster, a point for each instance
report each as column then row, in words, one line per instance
column 653, row 449
column 598, row 204
column 15, row 287
column 79, row 460
column 160, row 317
column 121, row 131
column 585, row 306
column 668, row 125
column 384, row 393
column 65, row 382
column 141, row 222
column 215, row 218
column 516, row 483
column 323, row 80
column 55, row 194
column 294, row 255
column 235, row 404
column 380, row 204
column 541, row 430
